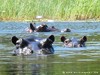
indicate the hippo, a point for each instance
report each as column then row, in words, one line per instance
column 74, row 42
column 29, row 45
column 45, row 28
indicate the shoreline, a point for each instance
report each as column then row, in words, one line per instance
column 48, row 20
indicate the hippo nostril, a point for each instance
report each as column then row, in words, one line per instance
column 31, row 51
column 66, row 41
column 17, row 47
column 14, row 54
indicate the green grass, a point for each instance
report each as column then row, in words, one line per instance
column 49, row 9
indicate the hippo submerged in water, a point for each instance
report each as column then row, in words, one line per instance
column 45, row 28
column 32, row 44
column 73, row 42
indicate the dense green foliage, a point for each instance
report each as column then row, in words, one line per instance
column 49, row 9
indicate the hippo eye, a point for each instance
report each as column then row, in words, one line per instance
column 18, row 43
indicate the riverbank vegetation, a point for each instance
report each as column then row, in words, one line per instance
column 49, row 9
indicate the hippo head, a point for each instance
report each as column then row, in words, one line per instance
column 74, row 42
column 22, row 46
column 28, row 46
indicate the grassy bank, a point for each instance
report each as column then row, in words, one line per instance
column 49, row 9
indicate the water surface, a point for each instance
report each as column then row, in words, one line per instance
column 65, row 61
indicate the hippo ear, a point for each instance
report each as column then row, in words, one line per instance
column 62, row 38
column 84, row 38
column 51, row 37
column 82, row 41
column 14, row 39
column 32, row 27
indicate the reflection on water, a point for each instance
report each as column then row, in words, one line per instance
column 65, row 61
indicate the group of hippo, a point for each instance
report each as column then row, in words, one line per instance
column 27, row 46
column 45, row 28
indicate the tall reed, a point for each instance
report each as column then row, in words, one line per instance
column 49, row 9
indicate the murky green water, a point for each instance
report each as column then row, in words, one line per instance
column 65, row 61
